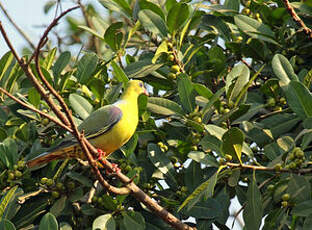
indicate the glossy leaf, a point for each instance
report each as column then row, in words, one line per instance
column 133, row 220
column 113, row 37
column 233, row 143
column 119, row 73
column 6, row 225
column 86, row 67
column 186, row 93
column 283, row 70
column 80, row 105
column 164, row 106
column 48, row 222
column 153, row 22
column 104, row 222
column 177, row 16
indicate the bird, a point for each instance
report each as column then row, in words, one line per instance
column 108, row 128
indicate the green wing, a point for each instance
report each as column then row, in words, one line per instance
column 100, row 121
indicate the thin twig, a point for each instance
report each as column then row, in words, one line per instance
column 35, row 110
column 24, row 35
column 263, row 168
column 297, row 19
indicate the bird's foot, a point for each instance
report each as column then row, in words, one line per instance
column 101, row 154
column 115, row 169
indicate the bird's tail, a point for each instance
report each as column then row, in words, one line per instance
column 71, row 151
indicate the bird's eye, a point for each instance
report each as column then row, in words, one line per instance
column 141, row 84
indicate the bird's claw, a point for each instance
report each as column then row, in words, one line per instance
column 101, row 154
column 115, row 169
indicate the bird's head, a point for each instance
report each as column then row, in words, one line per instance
column 136, row 86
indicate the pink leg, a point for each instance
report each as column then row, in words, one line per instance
column 101, row 154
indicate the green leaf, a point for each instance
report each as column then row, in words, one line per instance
column 303, row 209
column 162, row 163
column 162, row 48
column 141, row 68
column 299, row 188
column 5, row 62
column 164, row 106
column 299, row 98
column 48, row 60
column 133, row 220
column 236, row 80
column 283, row 70
column 119, row 73
column 80, row 105
column 153, row 7
column 86, row 67
column 208, row 209
column 48, row 222
column 153, row 22
column 119, row 6
column 58, row 206
column 254, row 28
column 104, row 222
column 34, row 97
column 205, row 189
column 203, row 90
column 6, row 200
column 6, row 225
column 233, row 143
column 80, row 178
column 254, row 209
column 61, row 63
column 177, row 16
column 9, row 152
column 186, row 93
column 201, row 157
column 113, row 36
column 211, row 21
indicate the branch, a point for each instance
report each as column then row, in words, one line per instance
column 297, row 19
column 263, row 168
column 24, row 35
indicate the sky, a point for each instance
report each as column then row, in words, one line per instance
column 30, row 17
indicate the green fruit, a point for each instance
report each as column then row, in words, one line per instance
column 271, row 102
column 128, row 168
column 175, row 68
column 171, row 57
column 55, row 194
column 94, row 199
column 286, row 197
column 50, row 182
column 18, row 174
column 239, row 39
column 20, row 164
column 183, row 189
column 246, row 11
column 11, row 176
column 227, row 110
column 172, row 76
column 299, row 154
column 228, row 157
column 15, row 167
column 292, row 165
column 59, row 186
column 43, row 180
column 100, row 200
column 278, row 167
column 270, row 187
column 197, row 119
column 194, row 148
column 160, row 144
column 284, row 204
column 45, row 121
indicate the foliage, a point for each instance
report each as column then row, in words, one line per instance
column 229, row 84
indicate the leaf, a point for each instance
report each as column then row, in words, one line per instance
column 119, row 6
column 208, row 209
column 201, row 157
column 299, row 188
column 151, row 6
column 119, row 73
column 113, row 36
column 133, row 220
column 162, row 163
column 6, row 199
column 283, row 70
column 6, row 225
column 34, row 97
column 9, row 152
column 254, row 28
column 48, row 222
column 61, row 63
column 86, row 67
column 141, row 68
column 233, row 143
column 80, row 178
column 203, row 90
column 177, row 16
column 48, row 60
column 164, row 106
column 299, row 98
column 236, row 80
column 5, row 62
column 58, row 206
column 211, row 21
column 153, row 22
column 205, row 189
column 104, row 222
column 186, row 93
column 254, row 209
column 80, row 105
column 303, row 209
column 162, row 48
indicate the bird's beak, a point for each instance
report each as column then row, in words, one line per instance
column 145, row 92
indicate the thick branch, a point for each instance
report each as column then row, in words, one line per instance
column 297, row 19
column 24, row 35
